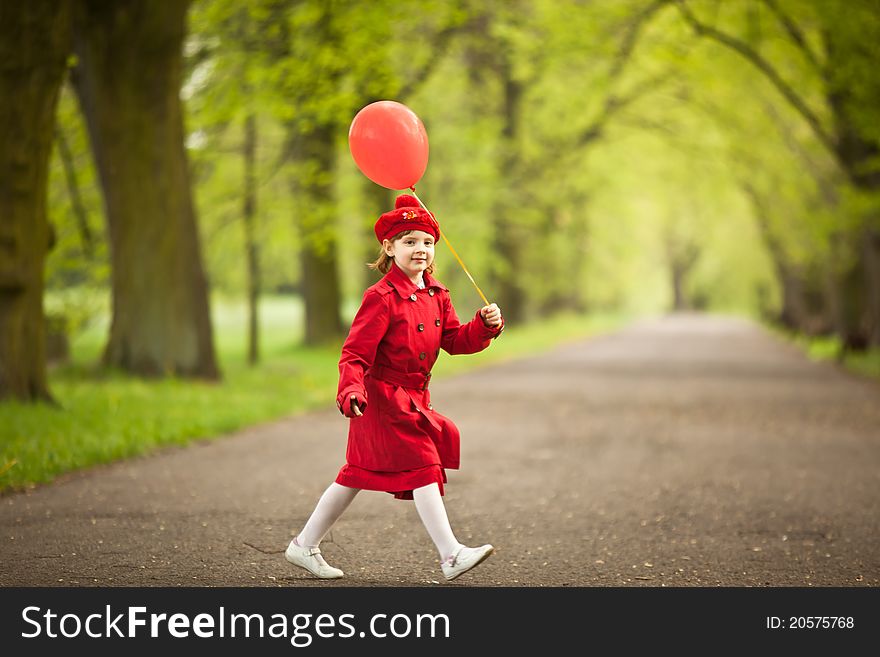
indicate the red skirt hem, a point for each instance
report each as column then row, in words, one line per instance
column 399, row 484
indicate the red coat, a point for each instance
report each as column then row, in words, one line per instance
column 394, row 341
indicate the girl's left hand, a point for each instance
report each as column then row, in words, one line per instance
column 491, row 315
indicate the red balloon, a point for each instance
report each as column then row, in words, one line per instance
column 389, row 144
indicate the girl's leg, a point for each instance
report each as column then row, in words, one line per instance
column 429, row 504
column 455, row 558
column 333, row 502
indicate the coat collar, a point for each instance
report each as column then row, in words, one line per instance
column 396, row 279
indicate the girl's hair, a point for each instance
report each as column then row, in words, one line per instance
column 384, row 261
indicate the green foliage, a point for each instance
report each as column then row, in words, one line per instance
column 219, row 191
column 853, row 30
column 639, row 143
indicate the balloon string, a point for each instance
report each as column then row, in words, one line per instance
column 446, row 239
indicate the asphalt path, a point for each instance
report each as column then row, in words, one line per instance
column 682, row 451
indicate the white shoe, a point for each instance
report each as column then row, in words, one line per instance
column 464, row 559
column 311, row 560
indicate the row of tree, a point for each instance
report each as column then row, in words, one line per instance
column 127, row 75
column 780, row 96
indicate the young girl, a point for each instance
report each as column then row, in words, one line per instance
column 397, row 442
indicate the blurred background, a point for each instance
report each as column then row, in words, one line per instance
column 178, row 205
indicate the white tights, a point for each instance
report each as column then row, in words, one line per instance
column 429, row 504
column 335, row 500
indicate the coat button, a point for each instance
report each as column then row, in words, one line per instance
column 436, row 322
column 423, row 356
column 431, row 291
column 412, row 297
column 430, row 408
column 421, row 327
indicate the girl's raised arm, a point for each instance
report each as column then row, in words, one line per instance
column 467, row 338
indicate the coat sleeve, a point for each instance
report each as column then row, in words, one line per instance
column 367, row 330
column 467, row 338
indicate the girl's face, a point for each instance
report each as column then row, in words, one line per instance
column 413, row 253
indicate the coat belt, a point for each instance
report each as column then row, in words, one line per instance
column 414, row 380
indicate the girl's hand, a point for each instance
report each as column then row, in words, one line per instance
column 491, row 315
column 354, row 407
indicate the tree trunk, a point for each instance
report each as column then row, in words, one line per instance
column 35, row 39
column 509, row 240
column 681, row 265
column 580, row 233
column 871, row 257
column 847, row 283
column 128, row 83
column 681, row 256
column 858, row 156
column 860, row 292
column 315, row 154
column 76, row 202
column 249, row 151
column 793, row 314
column 679, row 299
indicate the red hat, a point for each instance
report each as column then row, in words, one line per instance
column 406, row 215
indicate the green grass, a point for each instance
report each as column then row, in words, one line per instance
column 827, row 348
column 865, row 363
column 105, row 415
